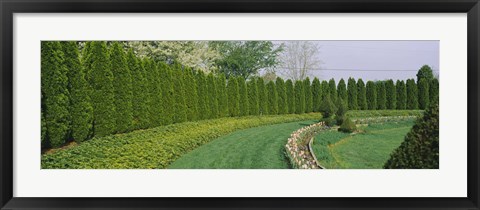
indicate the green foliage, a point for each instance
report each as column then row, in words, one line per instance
column 347, row 126
column 103, row 95
column 222, row 96
column 233, row 97
column 253, row 106
column 342, row 109
column 329, row 121
column 327, row 107
column 342, row 90
column 308, row 95
column 282, row 96
column 425, row 72
column 391, row 95
column 180, row 114
column 245, row 58
column 272, row 98
column 401, row 95
column 290, row 96
column 332, row 90
column 361, row 95
column 316, row 94
column 420, row 148
column 299, row 97
column 325, row 89
column 212, row 96
column 352, row 94
column 167, row 94
column 423, row 96
column 262, row 96
column 43, row 134
column 81, row 109
column 383, row 113
column 157, row 147
column 55, row 92
column 202, row 95
column 412, row 94
column 191, row 99
column 242, row 89
column 381, row 95
column 122, row 84
column 154, row 93
column 139, row 95
column 371, row 92
column 433, row 91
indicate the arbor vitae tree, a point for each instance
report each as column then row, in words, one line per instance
column 332, row 90
column 262, row 96
column 412, row 94
column 327, row 108
column 352, row 94
column 371, row 95
column 433, row 90
column 155, row 93
column 272, row 98
column 242, row 89
column 391, row 94
column 139, row 95
column 381, row 95
column 81, row 109
column 212, row 96
column 425, row 72
column 202, row 95
column 308, row 95
column 342, row 109
column 282, row 96
column 180, row 114
column 342, row 90
column 316, row 94
column 290, row 96
column 253, row 105
column 299, row 97
column 222, row 96
column 361, row 95
column 325, row 89
column 423, row 96
column 55, row 92
column 103, row 96
column 420, row 149
column 191, row 95
column 233, row 97
column 401, row 95
column 122, row 84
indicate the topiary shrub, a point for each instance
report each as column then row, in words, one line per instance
column 347, row 126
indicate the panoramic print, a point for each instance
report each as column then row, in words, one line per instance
column 252, row 104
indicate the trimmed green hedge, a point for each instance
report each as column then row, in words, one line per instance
column 157, row 147
column 383, row 113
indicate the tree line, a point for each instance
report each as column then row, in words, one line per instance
column 105, row 89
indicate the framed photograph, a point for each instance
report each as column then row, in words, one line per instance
column 239, row 105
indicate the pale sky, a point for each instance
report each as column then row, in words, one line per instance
column 376, row 60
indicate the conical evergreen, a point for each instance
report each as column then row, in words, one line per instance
column 290, row 96
column 282, row 96
column 308, row 95
column 423, row 96
column 391, row 94
column 212, row 96
column 371, row 95
column 412, row 94
column 243, row 100
column 342, row 90
column 332, row 90
column 222, row 96
column 253, row 105
column 352, row 94
column 299, row 97
column 233, row 97
column 433, row 90
column 272, row 98
column 381, row 95
column 262, row 96
column 139, row 81
column 316, row 94
column 401, row 95
column 361, row 95
column 191, row 95
column 202, row 93
column 180, row 114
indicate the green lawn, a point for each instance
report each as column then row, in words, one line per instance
column 254, row 148
column 370, row 149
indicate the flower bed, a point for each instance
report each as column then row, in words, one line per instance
column 297, row 148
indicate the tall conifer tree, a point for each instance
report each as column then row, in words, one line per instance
column 233, row 97
column 290, row 96
column 361, row 95
column 308, row 95
column 243, row 99
column 381, row 95
column 282, row 96
column 122, row 84
column 272, row 98
column 299, row 97
column 262, row 96
column 423, row 96
column 342, row 90
column 391, row 94
column 352, row 94
column 253, row 105
column 371, row 95
column 316, row 94
column 401, row 95
column 412, row 94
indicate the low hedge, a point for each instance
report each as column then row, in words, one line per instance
column 157, row 147
column 383, row 113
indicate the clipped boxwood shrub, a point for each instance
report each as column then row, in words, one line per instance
column 347, row 126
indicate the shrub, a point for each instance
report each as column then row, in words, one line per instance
column 347, row 126
column 329, row 121
column 342, row 109
column 327, row 108
column 420, row 149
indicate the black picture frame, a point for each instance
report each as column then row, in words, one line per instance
column 9, row 7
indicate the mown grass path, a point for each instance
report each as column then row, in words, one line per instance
column 253, row 148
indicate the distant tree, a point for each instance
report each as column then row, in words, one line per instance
column 342, row 90
column 233, row 97
column 299, row 58
column 262, row 96
column 243, row 100
column 401, row 95
column 425, row 72
column 391, row 94
column 272, row 98
column 308, row 95
column 420, row 149
column 412, row 94
column 433, row 91
column 299, row 97
column 290, row 96
column 212, row 96
column 381, row 95
column 423, row 96
column 282, row 96
column 55, row 92
column 352, row 94
column 222, row 96
column 253, row 105
column 80, row 106
column 123, row 88
column 371, row 95
column 103, row 96
column 316, row 94
column 361, row 95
